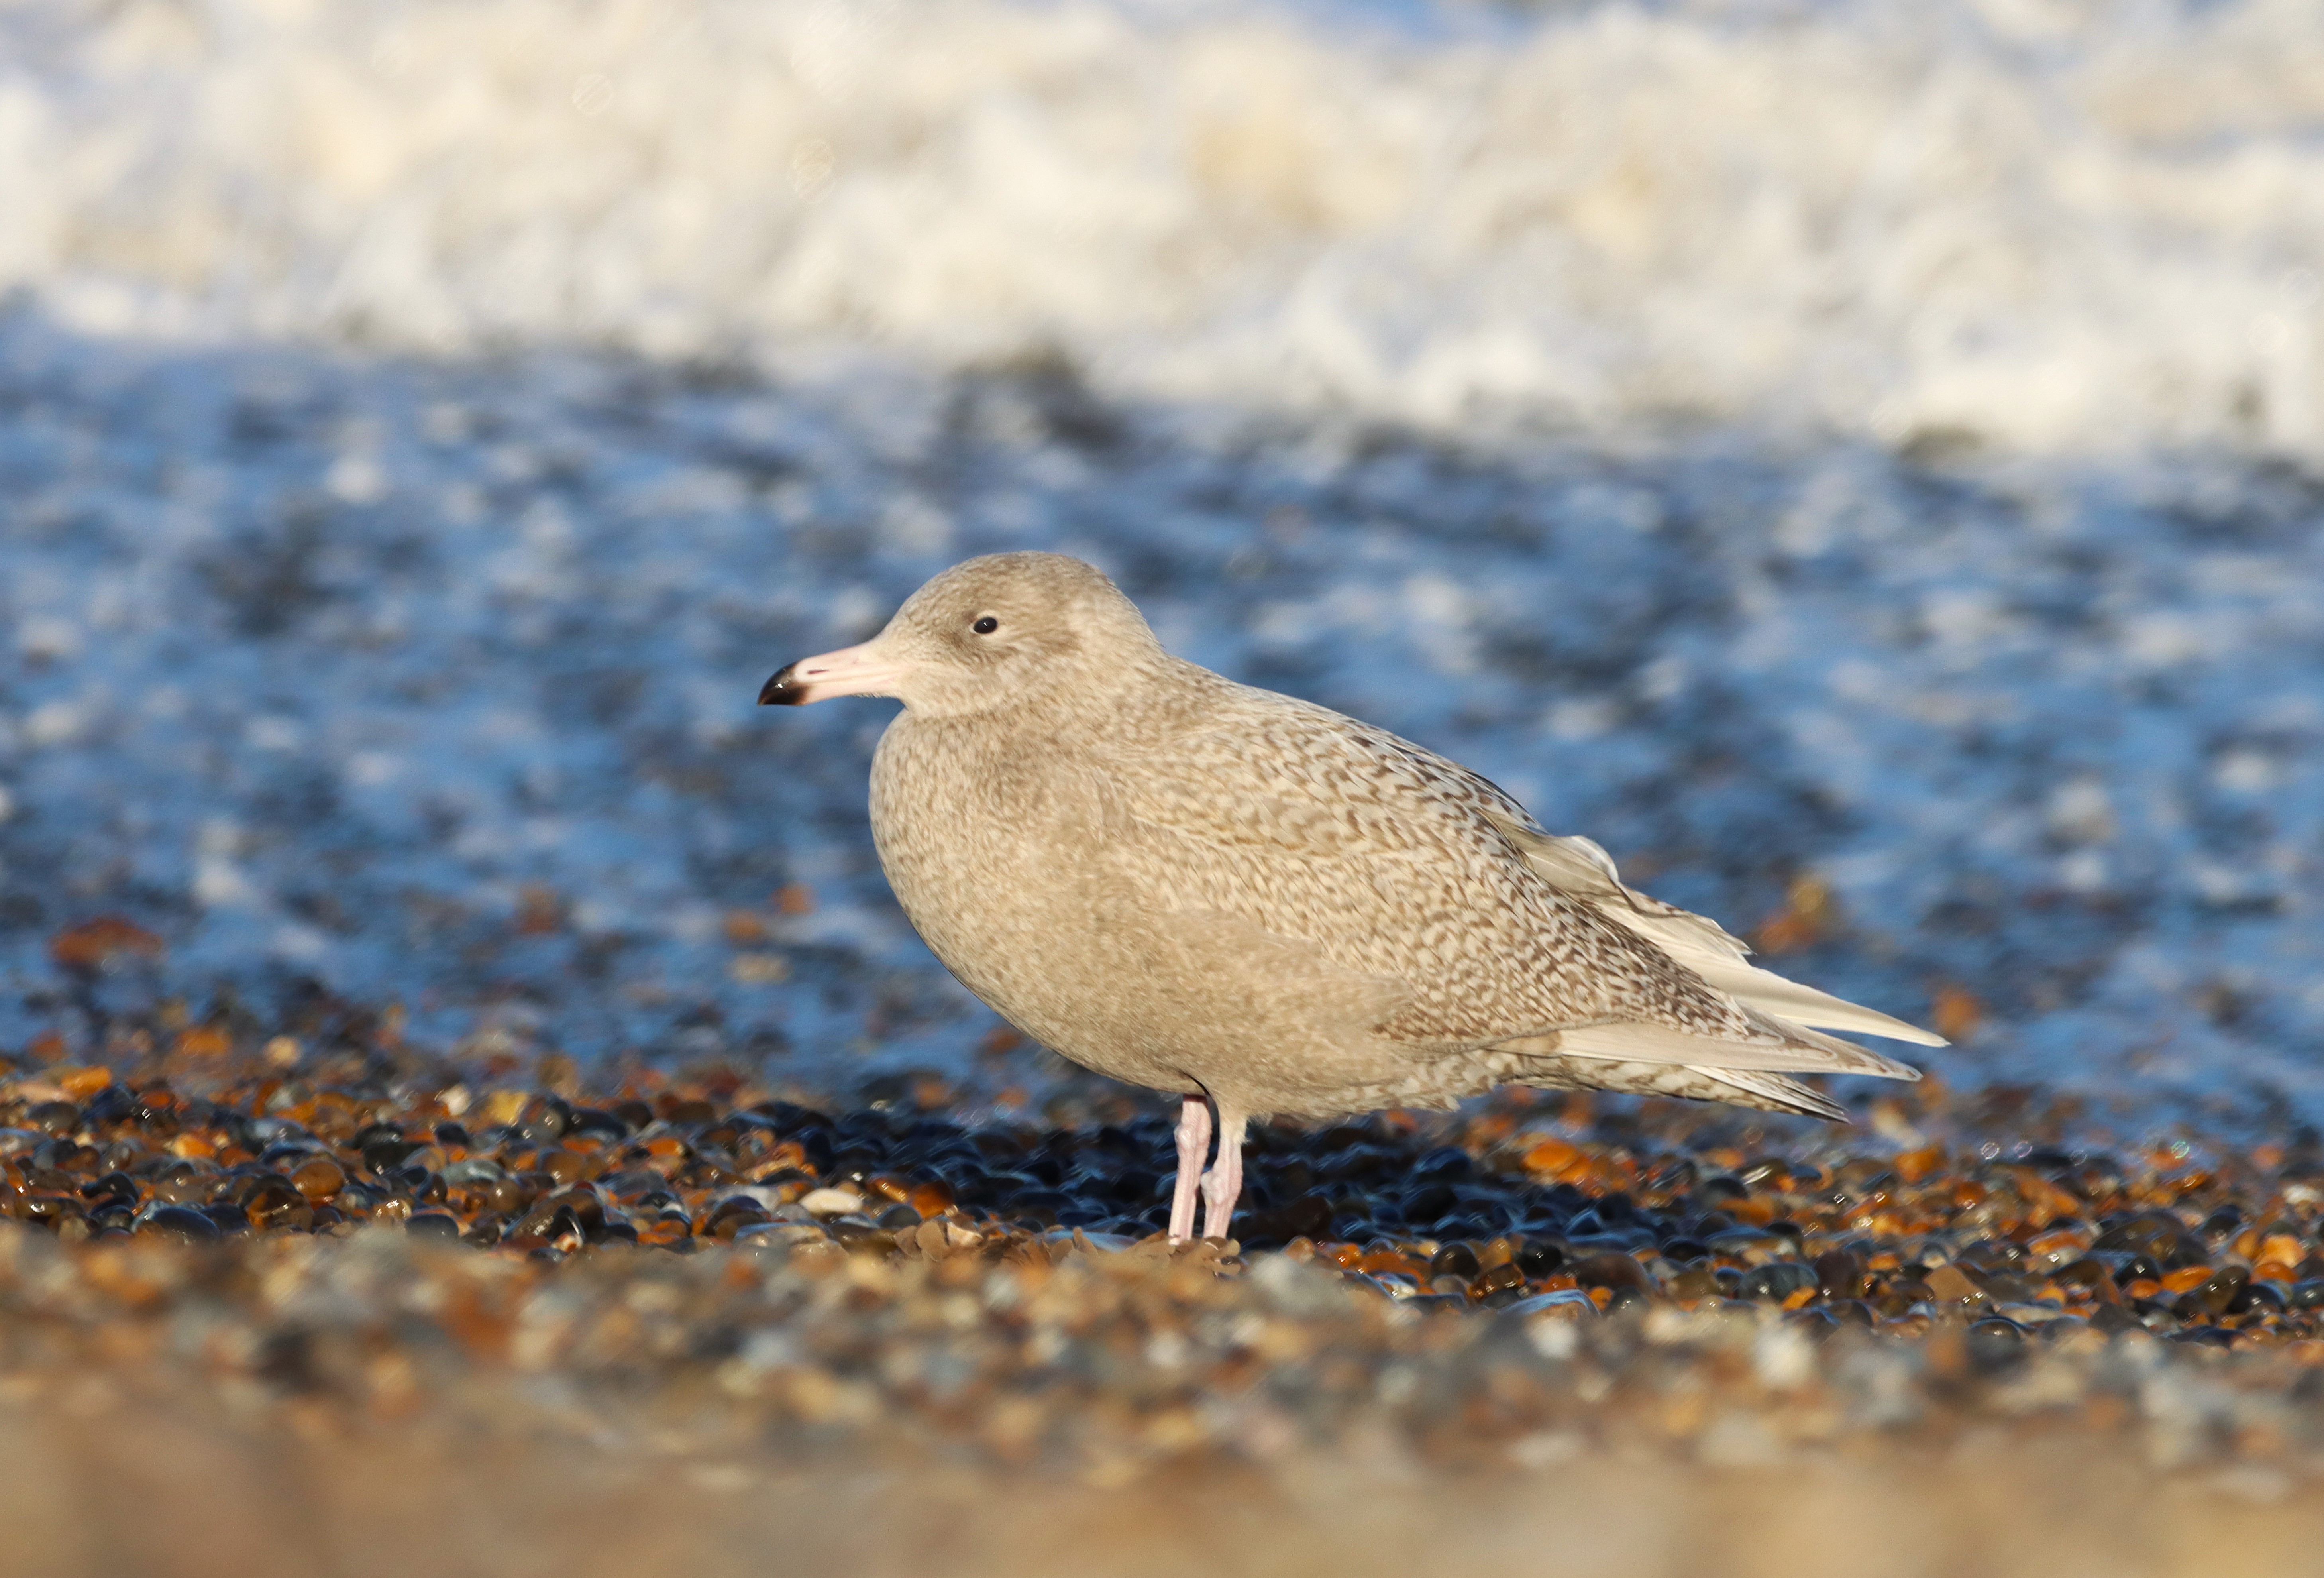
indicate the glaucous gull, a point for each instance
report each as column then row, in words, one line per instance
column 1268, row 908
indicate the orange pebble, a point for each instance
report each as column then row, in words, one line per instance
column 1912, row 1166
column 87, row 946
column 1550, row 1155
column 204, row 1042
column 2056, row 1243
column 81, row 1083
column 319, row 1179
column 1955, row 1012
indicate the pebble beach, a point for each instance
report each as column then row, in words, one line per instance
column 470, row 1102
column 1530, row 1321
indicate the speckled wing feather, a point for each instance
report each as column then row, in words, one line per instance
column 1577, row 867
column 1396, row 864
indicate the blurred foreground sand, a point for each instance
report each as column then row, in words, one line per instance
column 92, row 1483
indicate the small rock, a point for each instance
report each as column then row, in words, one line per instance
column 832, row 1202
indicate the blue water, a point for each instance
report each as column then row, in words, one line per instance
column 433, row 684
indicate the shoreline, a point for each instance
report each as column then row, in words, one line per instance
column 1852, row 1330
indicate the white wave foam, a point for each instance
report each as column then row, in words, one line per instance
column 2060, row 224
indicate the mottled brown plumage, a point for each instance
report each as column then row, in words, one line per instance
column 1197, row 886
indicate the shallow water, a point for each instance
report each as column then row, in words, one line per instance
column 1816, row 448
column 433, row 683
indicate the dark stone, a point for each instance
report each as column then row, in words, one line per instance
column 384, row 1155
column 275, row 1202
column 179, row 1222
column 1356, row 1164
column 2217, row 1292
column 1610, row 1271
column 1445, row 1164
column 2157, row 1233
column 1776, row 1280
column 1675, row 1175
column 435, row 1224
column 589, row 1210
column 1454, row 1259
column 815, row 1144
column 53, row 1117
column 1994, row 1343
column 586, row 1121
column 507, row 1196
column 1042, row 1205
column 1543, row 1256
column 1738, row 1243
column 1631, row 1237
column 1813, row 1321
column 1989, row 1256
column 1500, row 1278
column 1634, row 1300
column 113, row 1185
column 1463, row 1226
column 112, row 1104
column 1309, row 1216
column 1839, row 1274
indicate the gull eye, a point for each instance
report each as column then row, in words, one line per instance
column 986, row 625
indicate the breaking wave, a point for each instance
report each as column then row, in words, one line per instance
column 2052, row 224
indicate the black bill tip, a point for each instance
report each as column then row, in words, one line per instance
column 779, row 691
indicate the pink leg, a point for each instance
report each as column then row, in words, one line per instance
column 1222, row 1185
column 1194, row 1150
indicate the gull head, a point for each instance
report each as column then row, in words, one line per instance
column 992, row 632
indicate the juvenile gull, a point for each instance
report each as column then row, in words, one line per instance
column 1197, row 886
